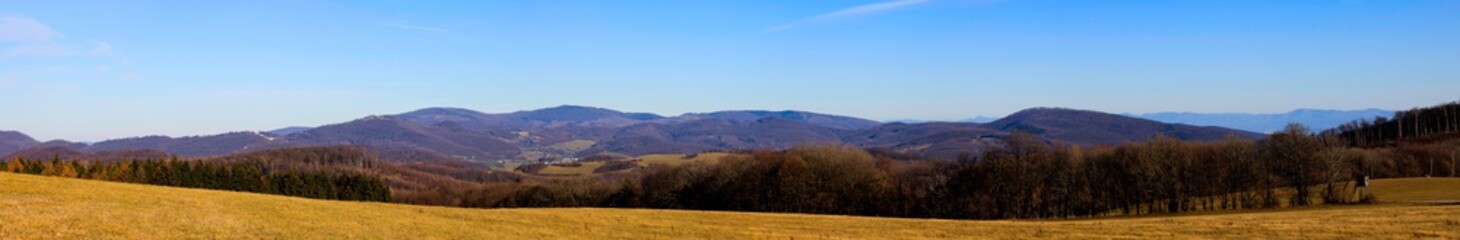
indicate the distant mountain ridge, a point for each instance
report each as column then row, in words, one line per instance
column 455, row 134
column 1092, row 127
column 561, row 116
column 1265, row 123
column 978, row 119
column 11, row 141
column 289, row 130
column 582, row 116
column 832, row 121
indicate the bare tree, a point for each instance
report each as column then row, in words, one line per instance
column 1291, row 152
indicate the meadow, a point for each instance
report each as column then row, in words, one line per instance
column 586, row 168
column 53, row 207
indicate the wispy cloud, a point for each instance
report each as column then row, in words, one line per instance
column 21, row 28
column 101, row 49
column 406, row 26
column 858, row 10
column 26, row 39
column 38, row 50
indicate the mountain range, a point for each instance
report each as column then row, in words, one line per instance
column 438, row 134
column 1316, row 119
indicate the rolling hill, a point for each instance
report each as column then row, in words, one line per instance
column 554, row 117
column 289, row 130
column 944, row 140
column 11, row 141
column 49, row 207
column 1092, row 128
column 588, row 117
column 715, row 134
column 825, row 120
column 433, row 133
column 61, row 152
column 395, row 132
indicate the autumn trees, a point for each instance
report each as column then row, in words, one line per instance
column 1026, row 177
column 825, row 179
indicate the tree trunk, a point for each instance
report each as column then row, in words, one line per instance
column 1416, row 125
column 1445, row 120
column 1449, row 120
column 1399, row 128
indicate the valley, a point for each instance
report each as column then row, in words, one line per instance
column 786, row 120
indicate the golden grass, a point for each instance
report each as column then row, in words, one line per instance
column 48, row 207
column 677, row 159
column 582, row 169
column 1417, row 189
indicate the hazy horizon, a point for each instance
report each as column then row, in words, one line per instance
column 39, row 138
column 79, row 70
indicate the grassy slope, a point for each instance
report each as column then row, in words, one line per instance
column 586, row 168
column 582, row 169
column 573, row 146
column 1417, row 189
column 49, row 207
column 677, row 159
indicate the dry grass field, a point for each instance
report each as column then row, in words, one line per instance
column 573, row 146
column 586, row 168
column 577, row 169
column 677, row 159
column 34, row 207
column 1417, row 190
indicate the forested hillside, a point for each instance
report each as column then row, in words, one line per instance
column 1015, row 174
column 348, row 173
column 1023, row 178
column 566, row 132
column 11, row 141
column 1439, row 122
column 233, row 176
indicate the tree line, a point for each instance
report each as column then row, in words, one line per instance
column 1025, row 178
column 244, row 176
column 1436, row 121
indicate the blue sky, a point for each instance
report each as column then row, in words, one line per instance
column 93, row 70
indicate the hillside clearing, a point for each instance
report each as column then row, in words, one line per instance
column 50, row 207
column 573, row 146
column 587, row 168
column 678, row 159
column 575, row 169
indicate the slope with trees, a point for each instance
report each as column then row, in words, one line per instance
column 1024, row 177
column 1437, row 122
column 233, row 176
column 11, row 141
column 447, row 134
